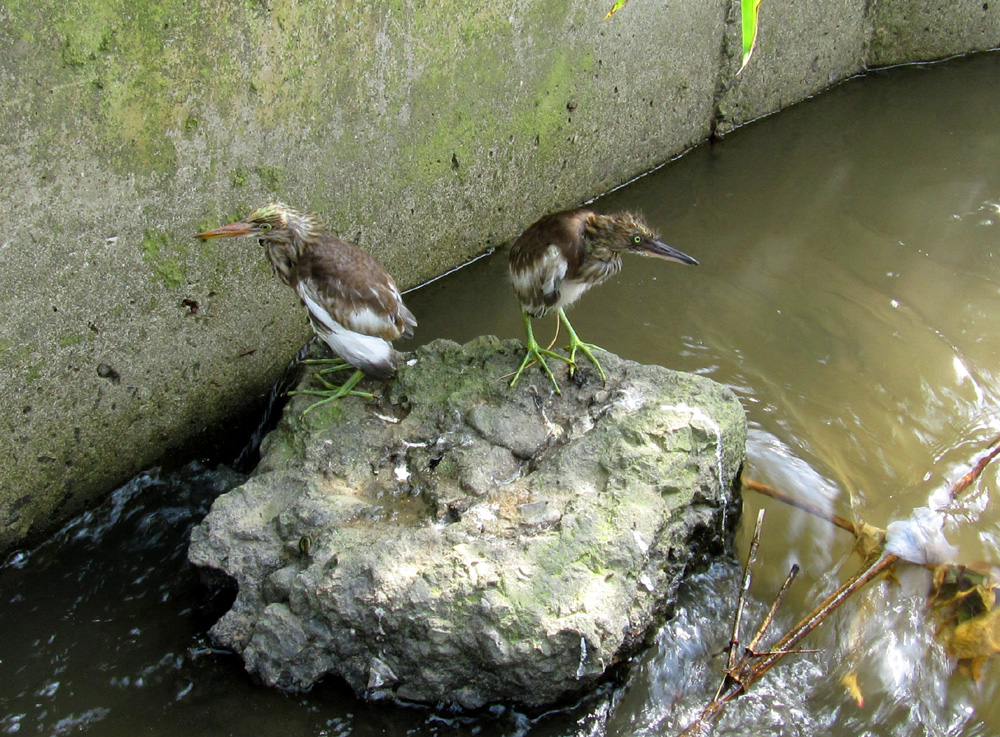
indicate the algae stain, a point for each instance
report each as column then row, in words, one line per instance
column 292, row 48
column 272, row 178
column 144, row 60
column 164, row 257
column 67, row 341
column 492, row 97
column 238, row 177
column 86, row 29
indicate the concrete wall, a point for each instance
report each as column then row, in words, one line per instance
column 426, row 131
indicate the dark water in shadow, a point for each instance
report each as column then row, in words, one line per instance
column 847, row 292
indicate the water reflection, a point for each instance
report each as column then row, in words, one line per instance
column 846, row 292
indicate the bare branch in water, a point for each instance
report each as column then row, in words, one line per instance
column 752, row 669
column 805, row 506
column 742, row 674
column 752, row 647
column 973, row 473
column 734, row 641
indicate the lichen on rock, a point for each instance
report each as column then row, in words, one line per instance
column 460, row 542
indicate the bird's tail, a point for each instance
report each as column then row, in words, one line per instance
column 369, row 353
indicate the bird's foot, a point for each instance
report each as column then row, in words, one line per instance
column 584, row 348
column 537, row 354
column 330, row 365
column 332, row 392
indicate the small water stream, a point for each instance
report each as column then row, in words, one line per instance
column 847, row 292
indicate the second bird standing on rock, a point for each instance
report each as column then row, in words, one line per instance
column 563, row 255
column 354, row 305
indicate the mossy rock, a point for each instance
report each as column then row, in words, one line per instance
column 457, row 541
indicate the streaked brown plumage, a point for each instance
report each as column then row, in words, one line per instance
column 563, row 255
column 354, row 305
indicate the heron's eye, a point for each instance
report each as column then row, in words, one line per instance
column 264, row 227
column 637, row 239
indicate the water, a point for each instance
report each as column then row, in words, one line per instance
column 848, row 279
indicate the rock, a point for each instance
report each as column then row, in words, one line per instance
column 463, row 543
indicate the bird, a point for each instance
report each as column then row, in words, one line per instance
column 564, row 254
column 354, row 305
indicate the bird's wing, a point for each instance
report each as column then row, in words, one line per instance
column 354, row 289
column 537, row 284
column 370, row 353
column 543, row 256
column 551, row 272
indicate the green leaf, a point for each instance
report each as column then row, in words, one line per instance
column 619, row 4
column 749, row 10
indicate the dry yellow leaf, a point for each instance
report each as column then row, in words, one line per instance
column 978, row 637
column 850, row 682
column 869, row 539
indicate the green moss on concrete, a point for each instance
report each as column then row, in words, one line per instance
column 15, row 352
column 121, row 74
column 272, row 178
column 239, row 176
column 85, row 29
column 68, row 341
column 165, row 257
column 130, row 70
column 454, row 134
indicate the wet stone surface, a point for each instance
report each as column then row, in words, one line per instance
column 459, row 542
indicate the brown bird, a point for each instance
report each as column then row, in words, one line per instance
column 563, row 255
column 353, row 303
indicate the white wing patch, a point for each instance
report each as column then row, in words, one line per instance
column 552, row 267
column 367, row 321
column 371, row 354
column 543, row 279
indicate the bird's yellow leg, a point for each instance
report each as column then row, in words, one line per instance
column 575, row 343
column 334, row 392
column 536, row 353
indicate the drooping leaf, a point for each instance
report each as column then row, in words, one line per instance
column 869, row 539
column 978, row 637
column 961, row 592
column 964, row 601
column 619, row 4
column 749, row 11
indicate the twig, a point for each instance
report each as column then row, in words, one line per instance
column 957, row 488
column 758, row 667
column 774, row 608
column 750, row 653
column 734, row 640
column 973, row 473
column 821, row 612
column 812, row 509
column 753, row 666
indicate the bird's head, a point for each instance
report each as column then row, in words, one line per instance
column 274, row 223
column 629, row 232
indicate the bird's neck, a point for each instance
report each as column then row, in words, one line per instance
column 285, row 252
column 283, row 257
column 598, row 234
column 601, row 260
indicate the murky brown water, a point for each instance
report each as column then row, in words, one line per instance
column 847, row 291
